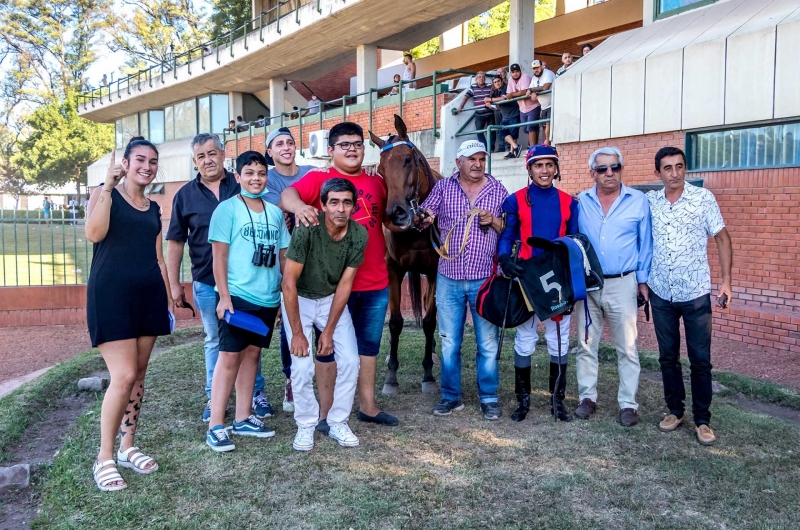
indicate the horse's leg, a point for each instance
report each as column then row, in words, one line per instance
column 390, row 386
column 429, row 385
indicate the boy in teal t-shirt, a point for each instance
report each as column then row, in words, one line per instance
column 248, row 239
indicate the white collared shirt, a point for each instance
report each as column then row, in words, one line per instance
column 679, row 271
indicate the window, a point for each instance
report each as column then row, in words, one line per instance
column 156, row 120
column 774, row 145
column 203, row 115
column 667, row 8
column 169, row 124
column 185, row 117
column 144, row 126
column 130, row 128
column 219, row 113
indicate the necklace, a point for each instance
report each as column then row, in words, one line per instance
column 144, row 207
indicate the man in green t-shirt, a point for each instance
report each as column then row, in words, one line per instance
column 320, row 266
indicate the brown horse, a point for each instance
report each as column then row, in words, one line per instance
column 409, row 180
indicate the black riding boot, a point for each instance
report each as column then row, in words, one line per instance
column 522, row 387
column 560, row 411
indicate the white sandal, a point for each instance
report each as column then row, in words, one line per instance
column 104, row 477
column 137, row 462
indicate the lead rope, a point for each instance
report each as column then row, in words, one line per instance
column 443, row 249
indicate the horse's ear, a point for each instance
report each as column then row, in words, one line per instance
column 376, row 140
column 400, row 126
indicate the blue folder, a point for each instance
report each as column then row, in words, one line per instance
column 247, row 322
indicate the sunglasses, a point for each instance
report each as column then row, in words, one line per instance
column 616, row 168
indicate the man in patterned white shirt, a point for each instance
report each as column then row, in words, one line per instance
column 684, row 217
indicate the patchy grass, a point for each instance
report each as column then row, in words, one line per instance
column 455, row 472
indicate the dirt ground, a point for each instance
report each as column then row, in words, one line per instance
column 25, row 350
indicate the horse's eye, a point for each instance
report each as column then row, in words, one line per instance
column 408, row 161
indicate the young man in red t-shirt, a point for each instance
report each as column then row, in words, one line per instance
column 370, row 294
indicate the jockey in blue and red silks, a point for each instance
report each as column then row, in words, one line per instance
column 540, row 210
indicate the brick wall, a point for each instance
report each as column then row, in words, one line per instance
column 53, row 305
column 761, row 214
column 417, row 114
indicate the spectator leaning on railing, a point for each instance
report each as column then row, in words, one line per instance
column 529, row 109
column 479, row 92
column 509, row 112
column 542, row 81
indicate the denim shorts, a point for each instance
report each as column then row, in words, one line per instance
column 530, row 116
column 513, row 132
column 368, row 311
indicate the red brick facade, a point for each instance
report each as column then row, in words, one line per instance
column 761, row 214
column 417, row 114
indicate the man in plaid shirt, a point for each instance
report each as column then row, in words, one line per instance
column 470, row 192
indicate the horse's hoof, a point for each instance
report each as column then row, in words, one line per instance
column 390, row 390
column 430, row 387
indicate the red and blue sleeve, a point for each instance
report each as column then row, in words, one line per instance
column 572, row 223
column 510, row 233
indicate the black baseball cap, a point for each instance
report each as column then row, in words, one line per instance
column 515, row 68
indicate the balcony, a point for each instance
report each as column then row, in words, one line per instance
column 303, row 44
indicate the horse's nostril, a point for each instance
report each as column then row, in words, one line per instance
column 399, row 212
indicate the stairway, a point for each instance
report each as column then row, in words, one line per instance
column 511, row 172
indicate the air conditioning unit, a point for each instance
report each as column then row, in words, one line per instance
column 318, row 144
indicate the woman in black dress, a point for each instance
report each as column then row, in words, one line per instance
column 127, row 302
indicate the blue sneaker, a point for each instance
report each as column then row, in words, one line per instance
column 218, row 440
column 252, row 426
column 261, row 407
column 207, row 412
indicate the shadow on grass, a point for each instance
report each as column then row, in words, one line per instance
column 429, row 472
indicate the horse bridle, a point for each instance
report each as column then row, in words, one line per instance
column 414, row 202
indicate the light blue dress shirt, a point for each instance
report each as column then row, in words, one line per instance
column 622, row 238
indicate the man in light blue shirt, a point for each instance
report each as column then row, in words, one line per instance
column 616, row 219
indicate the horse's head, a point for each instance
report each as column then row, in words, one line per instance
column 404, row 169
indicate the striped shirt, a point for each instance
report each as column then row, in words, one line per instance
column 449, row 204
column 478, row 94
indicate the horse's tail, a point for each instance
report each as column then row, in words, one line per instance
column 415, row 290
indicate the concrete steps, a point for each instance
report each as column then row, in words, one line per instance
column 511, row 172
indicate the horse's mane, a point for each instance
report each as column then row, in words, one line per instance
column 431, row 176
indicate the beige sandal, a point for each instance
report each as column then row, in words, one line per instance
column 104, row 477
column 137, row 462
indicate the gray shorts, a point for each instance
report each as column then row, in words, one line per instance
column 530, row 116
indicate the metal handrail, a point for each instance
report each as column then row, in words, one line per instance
column 185, row 58
column 488, row 131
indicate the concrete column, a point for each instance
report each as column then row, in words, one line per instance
column 648, row 13
column 366, row 69
column 277, row 99
column 235, row 105
column 520, row 35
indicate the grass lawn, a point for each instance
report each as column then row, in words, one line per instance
column 455, row 472
column 33, row 253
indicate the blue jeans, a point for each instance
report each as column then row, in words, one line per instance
column 452, row 297
column 205, row 299
column 368, row 310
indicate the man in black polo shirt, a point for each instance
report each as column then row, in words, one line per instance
column 191, row 214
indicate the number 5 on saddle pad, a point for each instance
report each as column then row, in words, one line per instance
column 247, row 322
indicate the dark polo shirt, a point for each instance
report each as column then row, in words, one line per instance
column 191, row 214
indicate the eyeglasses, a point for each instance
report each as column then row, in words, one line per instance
column 616, row 168
column 346, row 146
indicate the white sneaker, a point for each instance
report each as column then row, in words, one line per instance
column 304, row 439
column 341, row 433
column 288, row 397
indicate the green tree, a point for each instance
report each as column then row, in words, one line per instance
column 46, row 46
column 149, row 32
column 11, row 179
column 425, row 49
column 496, row 20
column 228, row 15
column 60, row 145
